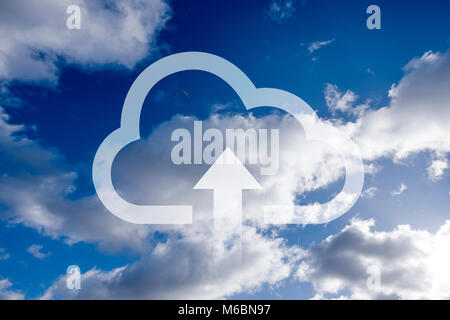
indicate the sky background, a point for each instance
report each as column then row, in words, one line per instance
column 62, row 93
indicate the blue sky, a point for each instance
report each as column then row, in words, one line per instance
column 69, row 108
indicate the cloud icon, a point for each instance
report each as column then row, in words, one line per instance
column 251, row 97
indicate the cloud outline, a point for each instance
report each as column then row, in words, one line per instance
column 252, row 97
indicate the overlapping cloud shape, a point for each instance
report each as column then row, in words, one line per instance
column 251, row 97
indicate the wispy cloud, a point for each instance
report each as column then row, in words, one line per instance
column 316, row 45
column 6, row 293
column 3, row 254
column 343, row 101
column 338, row 101
column 400, row 190
column 281, row 10
column 369, row 192
column 35, row 250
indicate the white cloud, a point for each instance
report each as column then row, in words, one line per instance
column 36, row 189
column 343, row 102
column 400, row 190
column 369, row 192
column 316, row 45
column 184, row 266
column 437, row 167
column 336, row 100
column 281, row 10
column 6, row 293
column 417, row 118
column 34, row 38
column 413, row 264
column 187, row 269
column 4, row 255
column 35, row 251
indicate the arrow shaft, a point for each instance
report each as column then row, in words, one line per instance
column 227, row 215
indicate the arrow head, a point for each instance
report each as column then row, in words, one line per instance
column 227, row 172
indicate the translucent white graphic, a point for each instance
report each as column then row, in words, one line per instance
column 74, row 19
column 227, row 177
column 374, row 20
column 253, row 142
column 373, row 281
column 73, row 281
column 251, row 97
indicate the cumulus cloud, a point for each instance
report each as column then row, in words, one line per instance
column 187, row 269
column 437, row 167
column 35, row 251
column 299, row 172
column 178, row 267
column 34, row 38
column 35, row 190
column 6, row 293
column 417, row 118
column 37, row 184
column 38, row 191
column 412, row 264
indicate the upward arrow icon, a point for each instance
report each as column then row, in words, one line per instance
column 227, row 177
